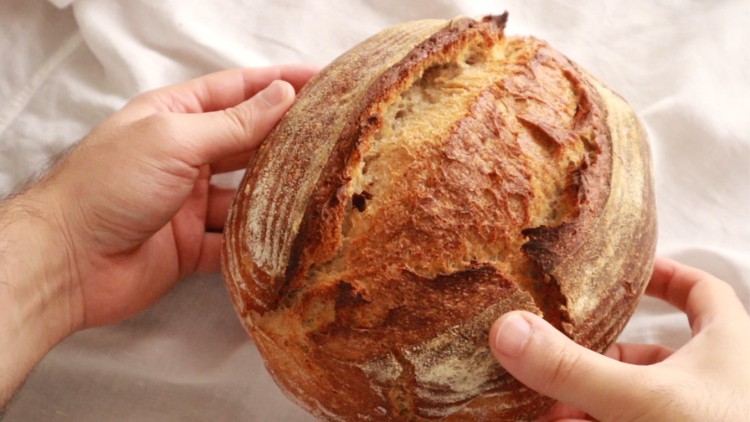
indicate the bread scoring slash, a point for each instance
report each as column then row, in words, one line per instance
column 432, row 178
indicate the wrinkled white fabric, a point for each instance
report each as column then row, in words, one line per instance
column 67, row 64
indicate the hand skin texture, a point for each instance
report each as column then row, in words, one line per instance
column 130, row 210
column 708, row 379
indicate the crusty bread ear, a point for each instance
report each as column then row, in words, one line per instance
column 432, row 178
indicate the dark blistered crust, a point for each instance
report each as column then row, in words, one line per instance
column 372, row 351
column 588, row 186
column 617, row 256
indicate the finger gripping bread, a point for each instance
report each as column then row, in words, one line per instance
column 432, row 178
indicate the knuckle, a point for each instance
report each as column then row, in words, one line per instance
column 158, row 129
column 662, row 395
column 563, row 368
column 161, row 122
column 724, row 288
column 242, row 118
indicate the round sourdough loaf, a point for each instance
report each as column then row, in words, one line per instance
column 432, row 178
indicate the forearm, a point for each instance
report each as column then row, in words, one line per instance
column 36, row 302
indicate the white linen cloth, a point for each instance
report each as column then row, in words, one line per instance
column 67, row 64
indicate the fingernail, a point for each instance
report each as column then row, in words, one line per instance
column 274, row 94
column 512, row 335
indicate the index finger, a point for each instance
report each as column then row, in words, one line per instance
column 216, row 91
column 700, row 295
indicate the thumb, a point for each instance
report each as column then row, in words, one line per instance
column 547, row 361
column 208, row 137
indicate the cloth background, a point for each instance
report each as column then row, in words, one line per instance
column 67, row 64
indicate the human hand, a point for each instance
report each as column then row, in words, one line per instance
column 130, row 210
column 708, row 379
column 134, row 199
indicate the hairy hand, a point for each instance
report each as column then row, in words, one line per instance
column 133, row 199
column 708, row 379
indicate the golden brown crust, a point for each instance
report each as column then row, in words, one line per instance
column 268, row 209
column 431, row 179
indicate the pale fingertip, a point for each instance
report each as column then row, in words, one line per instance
column 511, row 334
column 277, row 93
column 545, row 360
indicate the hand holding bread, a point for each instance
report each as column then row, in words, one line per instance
column 129, row 211
column 429, row 180
column 707, row 379
column 440, row 185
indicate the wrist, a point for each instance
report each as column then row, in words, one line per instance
column 39, row 305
